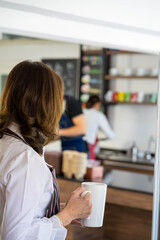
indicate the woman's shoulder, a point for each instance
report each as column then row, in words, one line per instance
column 12, row 147
column 17, row 156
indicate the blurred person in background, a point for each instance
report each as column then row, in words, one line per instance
column 72, row 125
column 31, row 108
column 95, row 120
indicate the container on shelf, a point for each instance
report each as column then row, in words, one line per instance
column 113, row 71
column 128, row 72
column 115, row 96
column 140, row 97
column 84, row 98
column 108, row 96
column 91, row 74
column 154, row 72
column 134, row 96
column 142, row 72
column 86, row 78
column 127, row 97
column 153, row 98
column 121, row 96
column 85, row 88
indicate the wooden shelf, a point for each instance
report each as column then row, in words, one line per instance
column 132, row 103
column 113, row 52
column 107, row 77
column 92, row 52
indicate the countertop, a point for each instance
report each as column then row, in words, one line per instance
column 119, row 160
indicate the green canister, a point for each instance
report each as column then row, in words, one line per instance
column 127, row 97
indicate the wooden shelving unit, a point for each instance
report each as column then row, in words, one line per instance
column 112, row 52
column 132, row 103
column 104, row 85
column 93, row 59
column 108, row 77
column 109, row 54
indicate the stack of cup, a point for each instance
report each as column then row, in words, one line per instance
column 74, row 163
column 67, row 163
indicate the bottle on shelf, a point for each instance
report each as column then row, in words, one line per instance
column 133, row 152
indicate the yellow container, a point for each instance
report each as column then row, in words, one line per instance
column 121, row 96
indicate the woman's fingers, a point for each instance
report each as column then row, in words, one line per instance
column 77, row 206
column 79, row 191
column 76, row 222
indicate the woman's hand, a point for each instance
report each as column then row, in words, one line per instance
column 76, row 207
column 76, row 222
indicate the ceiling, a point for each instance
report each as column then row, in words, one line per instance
column 124, row 24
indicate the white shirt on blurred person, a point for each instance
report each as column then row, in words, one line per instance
column 96, row 120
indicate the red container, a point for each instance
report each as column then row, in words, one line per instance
column 115, row 97
column 134, row 97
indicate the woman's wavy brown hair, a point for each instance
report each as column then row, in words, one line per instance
column 32, row 98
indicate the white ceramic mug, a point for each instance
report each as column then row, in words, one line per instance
column 98, row 193
column 128, row 71
column 108, row 96
column 113, row 71
column 140, row 97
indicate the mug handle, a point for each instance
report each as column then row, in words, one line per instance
column 84, row 193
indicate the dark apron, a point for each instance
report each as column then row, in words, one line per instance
column 70, row 143
column 54, row 205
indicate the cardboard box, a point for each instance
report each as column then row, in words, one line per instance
column 94, row 173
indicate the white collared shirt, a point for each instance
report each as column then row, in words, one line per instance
column 96, row 120
column 25, row 192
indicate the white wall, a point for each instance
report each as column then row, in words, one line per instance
column 14, row 51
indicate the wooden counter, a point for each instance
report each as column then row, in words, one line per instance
column 129, row 166
column 128, row 215
column 126, row 164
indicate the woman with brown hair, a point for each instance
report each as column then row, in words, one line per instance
column 31, row 107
